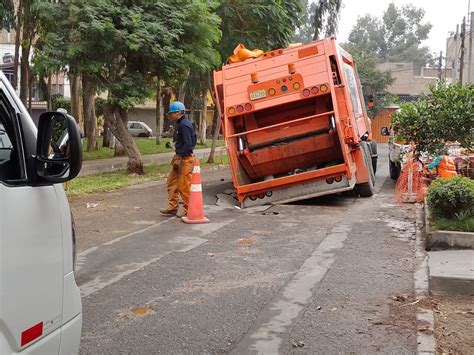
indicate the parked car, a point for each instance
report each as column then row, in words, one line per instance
column 139, row 129
column 40, row 302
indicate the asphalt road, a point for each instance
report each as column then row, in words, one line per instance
column 328, row 275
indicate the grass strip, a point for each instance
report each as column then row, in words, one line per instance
column 145, row 146
column 106, row 182
column 465, row 225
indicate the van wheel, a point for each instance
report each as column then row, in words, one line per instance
column 367, row 189
column 394, row 169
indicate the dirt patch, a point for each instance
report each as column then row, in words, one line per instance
column 454, row 324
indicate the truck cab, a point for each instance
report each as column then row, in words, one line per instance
column 40, row 303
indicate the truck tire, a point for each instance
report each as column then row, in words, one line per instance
column 367, row 189
column 394, row 169
column 373, row 151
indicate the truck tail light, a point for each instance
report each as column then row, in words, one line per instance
column 330, row 180
column 271, row 92
column 296, row 86
column 240, row 108
column 231, row 110
column 248, row 106
column 338, row 178
column 323, row 88
column 306, row 92
column 314, row 90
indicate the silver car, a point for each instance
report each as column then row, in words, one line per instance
column 139, row 129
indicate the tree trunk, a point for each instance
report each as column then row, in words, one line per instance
column 182, row 88
column 24, row 69
column 30, row 90
column 90, row 119
column 159, row 113
column 203, row 125
column 49, row 105
column 18, row 29
column 76, row 107
column 214, row 140
column 118, row 123
column 107, row 133
column 219, row 116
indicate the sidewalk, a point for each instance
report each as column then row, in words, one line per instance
column 90, row 167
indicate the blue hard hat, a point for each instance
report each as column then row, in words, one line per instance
column 176, row 106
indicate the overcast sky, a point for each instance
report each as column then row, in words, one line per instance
column 443, row 15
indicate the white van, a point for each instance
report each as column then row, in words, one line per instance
column 40, row 304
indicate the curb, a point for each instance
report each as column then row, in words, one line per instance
column 426, row 343
column 451, row 272
column 443, row 239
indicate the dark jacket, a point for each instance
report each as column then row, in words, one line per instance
column 185, row 137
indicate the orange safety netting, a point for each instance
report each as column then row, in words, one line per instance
column 411, row 184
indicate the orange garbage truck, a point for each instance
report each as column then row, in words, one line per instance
column 295, row 124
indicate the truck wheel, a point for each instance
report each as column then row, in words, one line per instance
column 394, row 169
column 367, row 189
column 374, row 155
column 374, row 164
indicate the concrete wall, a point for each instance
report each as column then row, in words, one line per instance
column 410, row 79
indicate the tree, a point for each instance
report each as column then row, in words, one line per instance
column 258, row 24
column 372, row 80
column 445, row 115
column 7, row 14
column 395, row 37
column 200, row 34
column 320, row 18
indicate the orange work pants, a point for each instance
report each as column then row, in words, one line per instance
column 179, row 181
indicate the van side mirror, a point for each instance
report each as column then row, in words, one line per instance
column 385, row 131
column 58, row 147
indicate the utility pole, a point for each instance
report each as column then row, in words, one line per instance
column 463, row 35
column 471, row 33
column 440, row 64
column 455, row 56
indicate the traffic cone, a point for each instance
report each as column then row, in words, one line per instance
column 195, row 213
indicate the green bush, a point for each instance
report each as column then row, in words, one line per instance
column 58, row 100
column 452, row 198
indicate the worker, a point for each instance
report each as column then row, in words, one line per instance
column 179, row 179
column 445, row 165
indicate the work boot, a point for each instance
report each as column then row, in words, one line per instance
column 168, row 212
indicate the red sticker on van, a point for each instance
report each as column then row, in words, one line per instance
column 31, row 334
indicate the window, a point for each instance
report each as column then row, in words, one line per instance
column 354, row 92
column 9, row 166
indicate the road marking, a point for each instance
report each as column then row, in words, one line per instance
column 81, row 256
column 284, row 310
column 111, row 262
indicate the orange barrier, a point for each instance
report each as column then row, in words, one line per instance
column 195, row 213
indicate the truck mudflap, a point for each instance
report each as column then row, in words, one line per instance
column 300, row 192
